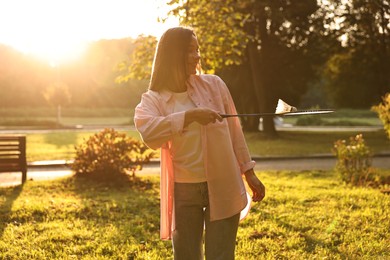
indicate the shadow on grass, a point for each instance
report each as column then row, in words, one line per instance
column 128, row 205
column 8, row 197
column 311, row 244
column 84, row 217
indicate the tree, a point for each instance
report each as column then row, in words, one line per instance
column 140, row 65
column 358, row 75
column 266, row 37
column 58, row 95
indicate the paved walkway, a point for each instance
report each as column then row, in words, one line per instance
column 39, row 172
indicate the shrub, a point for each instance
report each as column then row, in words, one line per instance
column 383, row 111
column 354, row 162
column 109, row 155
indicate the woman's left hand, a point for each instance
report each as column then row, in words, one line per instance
column 255, row 185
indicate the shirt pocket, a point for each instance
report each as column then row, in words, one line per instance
column 215, row 103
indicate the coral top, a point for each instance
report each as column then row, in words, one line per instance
column 225, row 153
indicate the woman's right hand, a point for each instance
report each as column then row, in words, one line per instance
column 203, row 116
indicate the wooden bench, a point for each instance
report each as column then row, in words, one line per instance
column 13, row 155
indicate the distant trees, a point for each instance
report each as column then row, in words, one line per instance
column 90, row 79
column 358, row 75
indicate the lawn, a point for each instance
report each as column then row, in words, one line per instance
column 310, row 143
column 58, row 145
column 305, row 215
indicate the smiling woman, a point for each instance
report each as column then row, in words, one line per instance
column 59, row 30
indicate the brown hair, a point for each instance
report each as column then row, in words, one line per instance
column 170, row 60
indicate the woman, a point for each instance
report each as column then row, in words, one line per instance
column 203, row 156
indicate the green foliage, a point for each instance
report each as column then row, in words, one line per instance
column 269, row 39
column 353, row 79
column 140, row 65
column 108, row 155
column 383, row 111
column 222, row 42
column 354, row 161
column 357, row 76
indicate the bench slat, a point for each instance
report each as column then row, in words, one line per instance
column 10, row 160
column 9, row 150
column 13, row 154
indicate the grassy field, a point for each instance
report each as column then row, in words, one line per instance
column 43, row 117
column 310, row 143
column 305, row 215
column 59, row 145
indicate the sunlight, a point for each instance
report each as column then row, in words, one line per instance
column 58, row 31
column 54, row 51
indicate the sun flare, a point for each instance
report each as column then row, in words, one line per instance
column 59, row 31
column 54, row 51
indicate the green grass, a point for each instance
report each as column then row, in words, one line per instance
column 310, row 143
column 58, row 145
column 305, row 215
column 12, row 117
column 51, row 112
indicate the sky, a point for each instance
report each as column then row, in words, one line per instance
column 58, row 30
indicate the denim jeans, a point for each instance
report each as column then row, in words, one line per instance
column 192, row 216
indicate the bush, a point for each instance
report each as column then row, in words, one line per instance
column 354, row 162
column 383, row 111
column 110, row 155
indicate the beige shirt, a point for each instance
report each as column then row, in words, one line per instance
column 186, row 149
column 225, row 153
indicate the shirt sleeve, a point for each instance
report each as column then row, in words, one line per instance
column 155, row 128
column 237, row 136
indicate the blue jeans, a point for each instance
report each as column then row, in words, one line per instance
column 192, row 216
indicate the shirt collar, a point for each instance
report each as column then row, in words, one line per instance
column 167, row 95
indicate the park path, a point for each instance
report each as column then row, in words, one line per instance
column 52, row 171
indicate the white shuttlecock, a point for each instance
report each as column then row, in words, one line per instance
column 283, row 107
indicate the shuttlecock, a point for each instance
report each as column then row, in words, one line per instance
column 283, row 107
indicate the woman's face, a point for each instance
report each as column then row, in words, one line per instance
column 193, row 56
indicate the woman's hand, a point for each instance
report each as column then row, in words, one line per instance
column 255, row 185
column 201, row 115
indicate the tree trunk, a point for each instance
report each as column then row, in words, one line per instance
column 58, row 115
column 260, row 90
